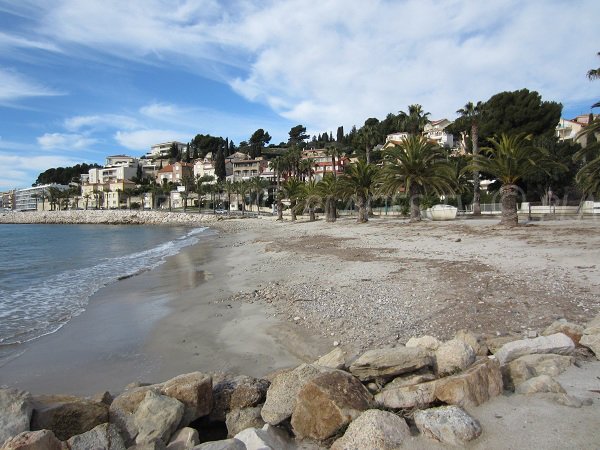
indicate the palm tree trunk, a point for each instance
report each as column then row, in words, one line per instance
column 279, row 209
column 311, row 214
column 509, row 205
column 415, row 203
column 331, row 213
column 293, row 210
column 476, row 183
column 363, row 214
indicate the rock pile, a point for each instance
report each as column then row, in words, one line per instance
column 380, row 399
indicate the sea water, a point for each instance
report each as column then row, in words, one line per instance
column 49, row 272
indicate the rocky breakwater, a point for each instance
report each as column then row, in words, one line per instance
column 384, row 398
column 109, row 217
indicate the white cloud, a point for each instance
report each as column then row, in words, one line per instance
column 14, row 86
column 143, row 139
column 20, row 171
column 101, row 121
column 65, row 141
column 8, row 42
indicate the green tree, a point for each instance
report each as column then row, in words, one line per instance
column 414, row 121
column 510, row 159
column 258, row 185
column 358, row 183
column 310, row 198
column 297, row 135
column 594, row 74
column 292, row 189
column 419, row 167
column 330, row 191
column 472, row 113
column 258, row 141
column 220, row 170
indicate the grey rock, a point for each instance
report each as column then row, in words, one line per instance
column 558, row 343
column 529, row 366
column 406, row 397
column 34, row 440
column 235, row 393
column 572, row 330
column 105, row 436
column 184, row 439
column 476, row 342
column 410, row 379
column 427, row 342
column 227, row 444
column 195, row 391
column 591, row 341
column 453, row 356
column 157, row 417
column 265, row 438
column 16, row 408
column 374, row 429
column 335, row 359
column 448, row 424
column 542, row 383
column 571, row 401
column 240, row 419
column 390, row 362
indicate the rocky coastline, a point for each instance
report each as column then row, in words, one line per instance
column 423, row 393
column 108, row 217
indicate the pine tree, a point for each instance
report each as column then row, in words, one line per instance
column 220, row 171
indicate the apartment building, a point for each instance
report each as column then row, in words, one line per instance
column 323, row 163
column 32, row 199
column 163, row 150
column 179, row 172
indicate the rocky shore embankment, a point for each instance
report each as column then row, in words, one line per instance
column 414, row 395
column 109, row 217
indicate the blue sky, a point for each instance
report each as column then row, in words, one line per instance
column 84, row 79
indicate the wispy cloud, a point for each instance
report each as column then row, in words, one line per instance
column 143, row 139
column 101, row 121
column 15, row 86
column 21, row 171
column 65, row 141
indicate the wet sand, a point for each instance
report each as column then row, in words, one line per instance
column 161, row 323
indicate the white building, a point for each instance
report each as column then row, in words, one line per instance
column 30, row 198
column 163, row 150
column 205, row 167
column 434, row 131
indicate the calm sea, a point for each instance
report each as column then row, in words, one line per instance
column 49, row 272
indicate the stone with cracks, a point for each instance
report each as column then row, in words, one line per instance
column 427, row 342
column 390, row 362
column 105, row 436
column 474, row 386
column 406, row 397
column 327, row 403
column 34, row 440
column 476, row 342
column 235, row 393
column 450, row 425
column 240, row 419
column 157, row 417
column 559, row 344
column 542, row 383
column 453, row 356
column 265, row 438
column 529, row 366
column 184, row 439
column 374, row 429
column 572, row 330
column 195, row 391
column 410, row 379
column 281, row 396
column 591, row 341
column 335, row 359
column 16, row 408
column 67, row 415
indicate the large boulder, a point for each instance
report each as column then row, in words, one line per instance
column 240, row 419
column 529, row 366
column 476, row 342
column 184, row 439
column 427, row 342
column 447, row 424
column 195, row 391
column 453, row 356
column 572, row 330
column 593, row 326
column 66, row 415
column 591, row 341
column 227, row 444
column 281, row 396
column 407, row 397
column 34, row 440
column 123, row 407
column 542, row 383
column 16, row 408
column 327, row 403
column 388, row 363
column 265, row 438
column 157, row 417
column 105, row 436
column 335, row 359
column 559, row 344
column 476, row 385
column 235, row 393
column 374, row 429
column 410, row 379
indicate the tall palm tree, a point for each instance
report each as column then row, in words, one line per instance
column 594, row 74
column 229, row 187
column 472, row 112
column 306, row 168
column 258, row 185
column 292, row 189
column 86, row 199
column 243, row 188
column 510, row 159
column 419, row 167
column 329, row 190
column 359, row 182
column 588, row 176
column 334, row 152
column 414, row 122
column 310, row 199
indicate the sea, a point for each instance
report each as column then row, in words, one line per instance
column 49, row 272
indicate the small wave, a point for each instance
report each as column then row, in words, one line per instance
column 47, row 305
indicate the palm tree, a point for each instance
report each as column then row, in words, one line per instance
column 359, row 182
column 510, row 159
column 243, row 187
column 417, row 166
column 473, row 113
column 368, row 136
column 334, row 152
column 306, row 168
column 292, row 188
column 414, row 122
column 200, row 188
column 594, row 74
column 329, row 190
column 86, row 199
column 229, row 187
column 258, row 185
column 588, row 177
column 310, row 199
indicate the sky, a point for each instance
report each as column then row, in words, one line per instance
column 84, row 79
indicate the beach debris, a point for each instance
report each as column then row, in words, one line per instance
column 327, row 403
column 448, row 424
column 16, row 408
column 374, row 429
